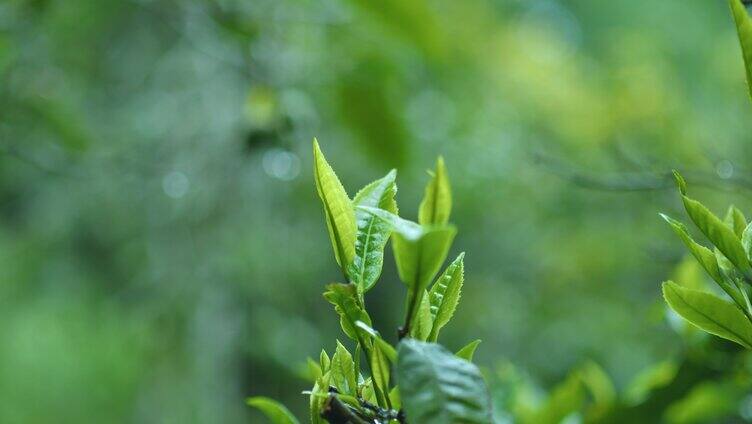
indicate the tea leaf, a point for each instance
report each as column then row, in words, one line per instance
column 423, row 320
column 736, row 220
column 721, row 235
column 343, row 371
column 710, row 313
column 343, row 297
column 744, row 30
column 445, row 294
column 468, row 351
column 437, row 200
column 319, row 392
column 372, row 233
column 274, row 411
column 439, row 388
column 339, row 212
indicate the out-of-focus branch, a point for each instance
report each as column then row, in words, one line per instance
column 636, row 181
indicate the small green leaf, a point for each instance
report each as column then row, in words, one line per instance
column 721, row 235
column 418, row 260
column 445, row 294
column 380, row 368
column 367, row 391
column 709, row 313
column 339, row 212
column 744, row 30
column 439, row 388
column 386, row 348
column 707, row 258
column 324, row 361
column 423, row 320
column 468, row 351
column 680, row 182
column 373, row 232
column 274, row 411
column 437, row 200
column 319, row 393
column 343, row 297
column 314, row 369
column 343, row 371
column 747, row 240
column 736, row 220
column 395, row 397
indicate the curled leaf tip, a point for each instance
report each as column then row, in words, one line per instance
column 680, row 182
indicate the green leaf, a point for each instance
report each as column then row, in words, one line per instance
column 274, row 411
column 566, row 398
column 445, row 294
column 468, row 351
column 343, row 372
column 380, row 368
column 747, row 240
column 386, row 348
column 319, row 393
column 710, row 313
column 314, row 369
column 437, row 201
column 439, row 388
column 707, row 258
column 423, row 320
column 418, row 260
column 721, row 235
column 339, row 212
column 744, row 30
column 343, row 297
column 324, row 361
column 736, row 220
column 372, row 233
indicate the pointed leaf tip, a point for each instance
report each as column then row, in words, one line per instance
column 680, row 182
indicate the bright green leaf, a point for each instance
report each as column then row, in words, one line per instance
column 445, row 294
column 318, row 397
column 373, row 232
column 718, row 233
column 343, row 297
column 468, row 351
column 736, row 220
column 421, row 329
column 709, row 313
column 437, row 200
column 274, row 411
column 744, row 30
column 343, row 372
column 707, row 258
column 339, row 212
column 380, row 368
column 386, row 348
column 439, row 388
column 324, row 361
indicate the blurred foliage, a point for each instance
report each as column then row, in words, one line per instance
column 158, row 217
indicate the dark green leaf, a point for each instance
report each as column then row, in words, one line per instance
column 439, row 388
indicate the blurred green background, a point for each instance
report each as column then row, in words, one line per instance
column 162, row 248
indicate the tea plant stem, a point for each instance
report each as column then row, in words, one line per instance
column 383, row 400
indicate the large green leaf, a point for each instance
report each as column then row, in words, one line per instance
column 339, row 212
column 373, row 232
column 274, row 411
column 436, row 205
column 439, row 388
column 744, row 30
column 707, row 258
column 720, row 234
column 343, row 297
column 445, row 294
column 710, row 313
column 343, row 374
